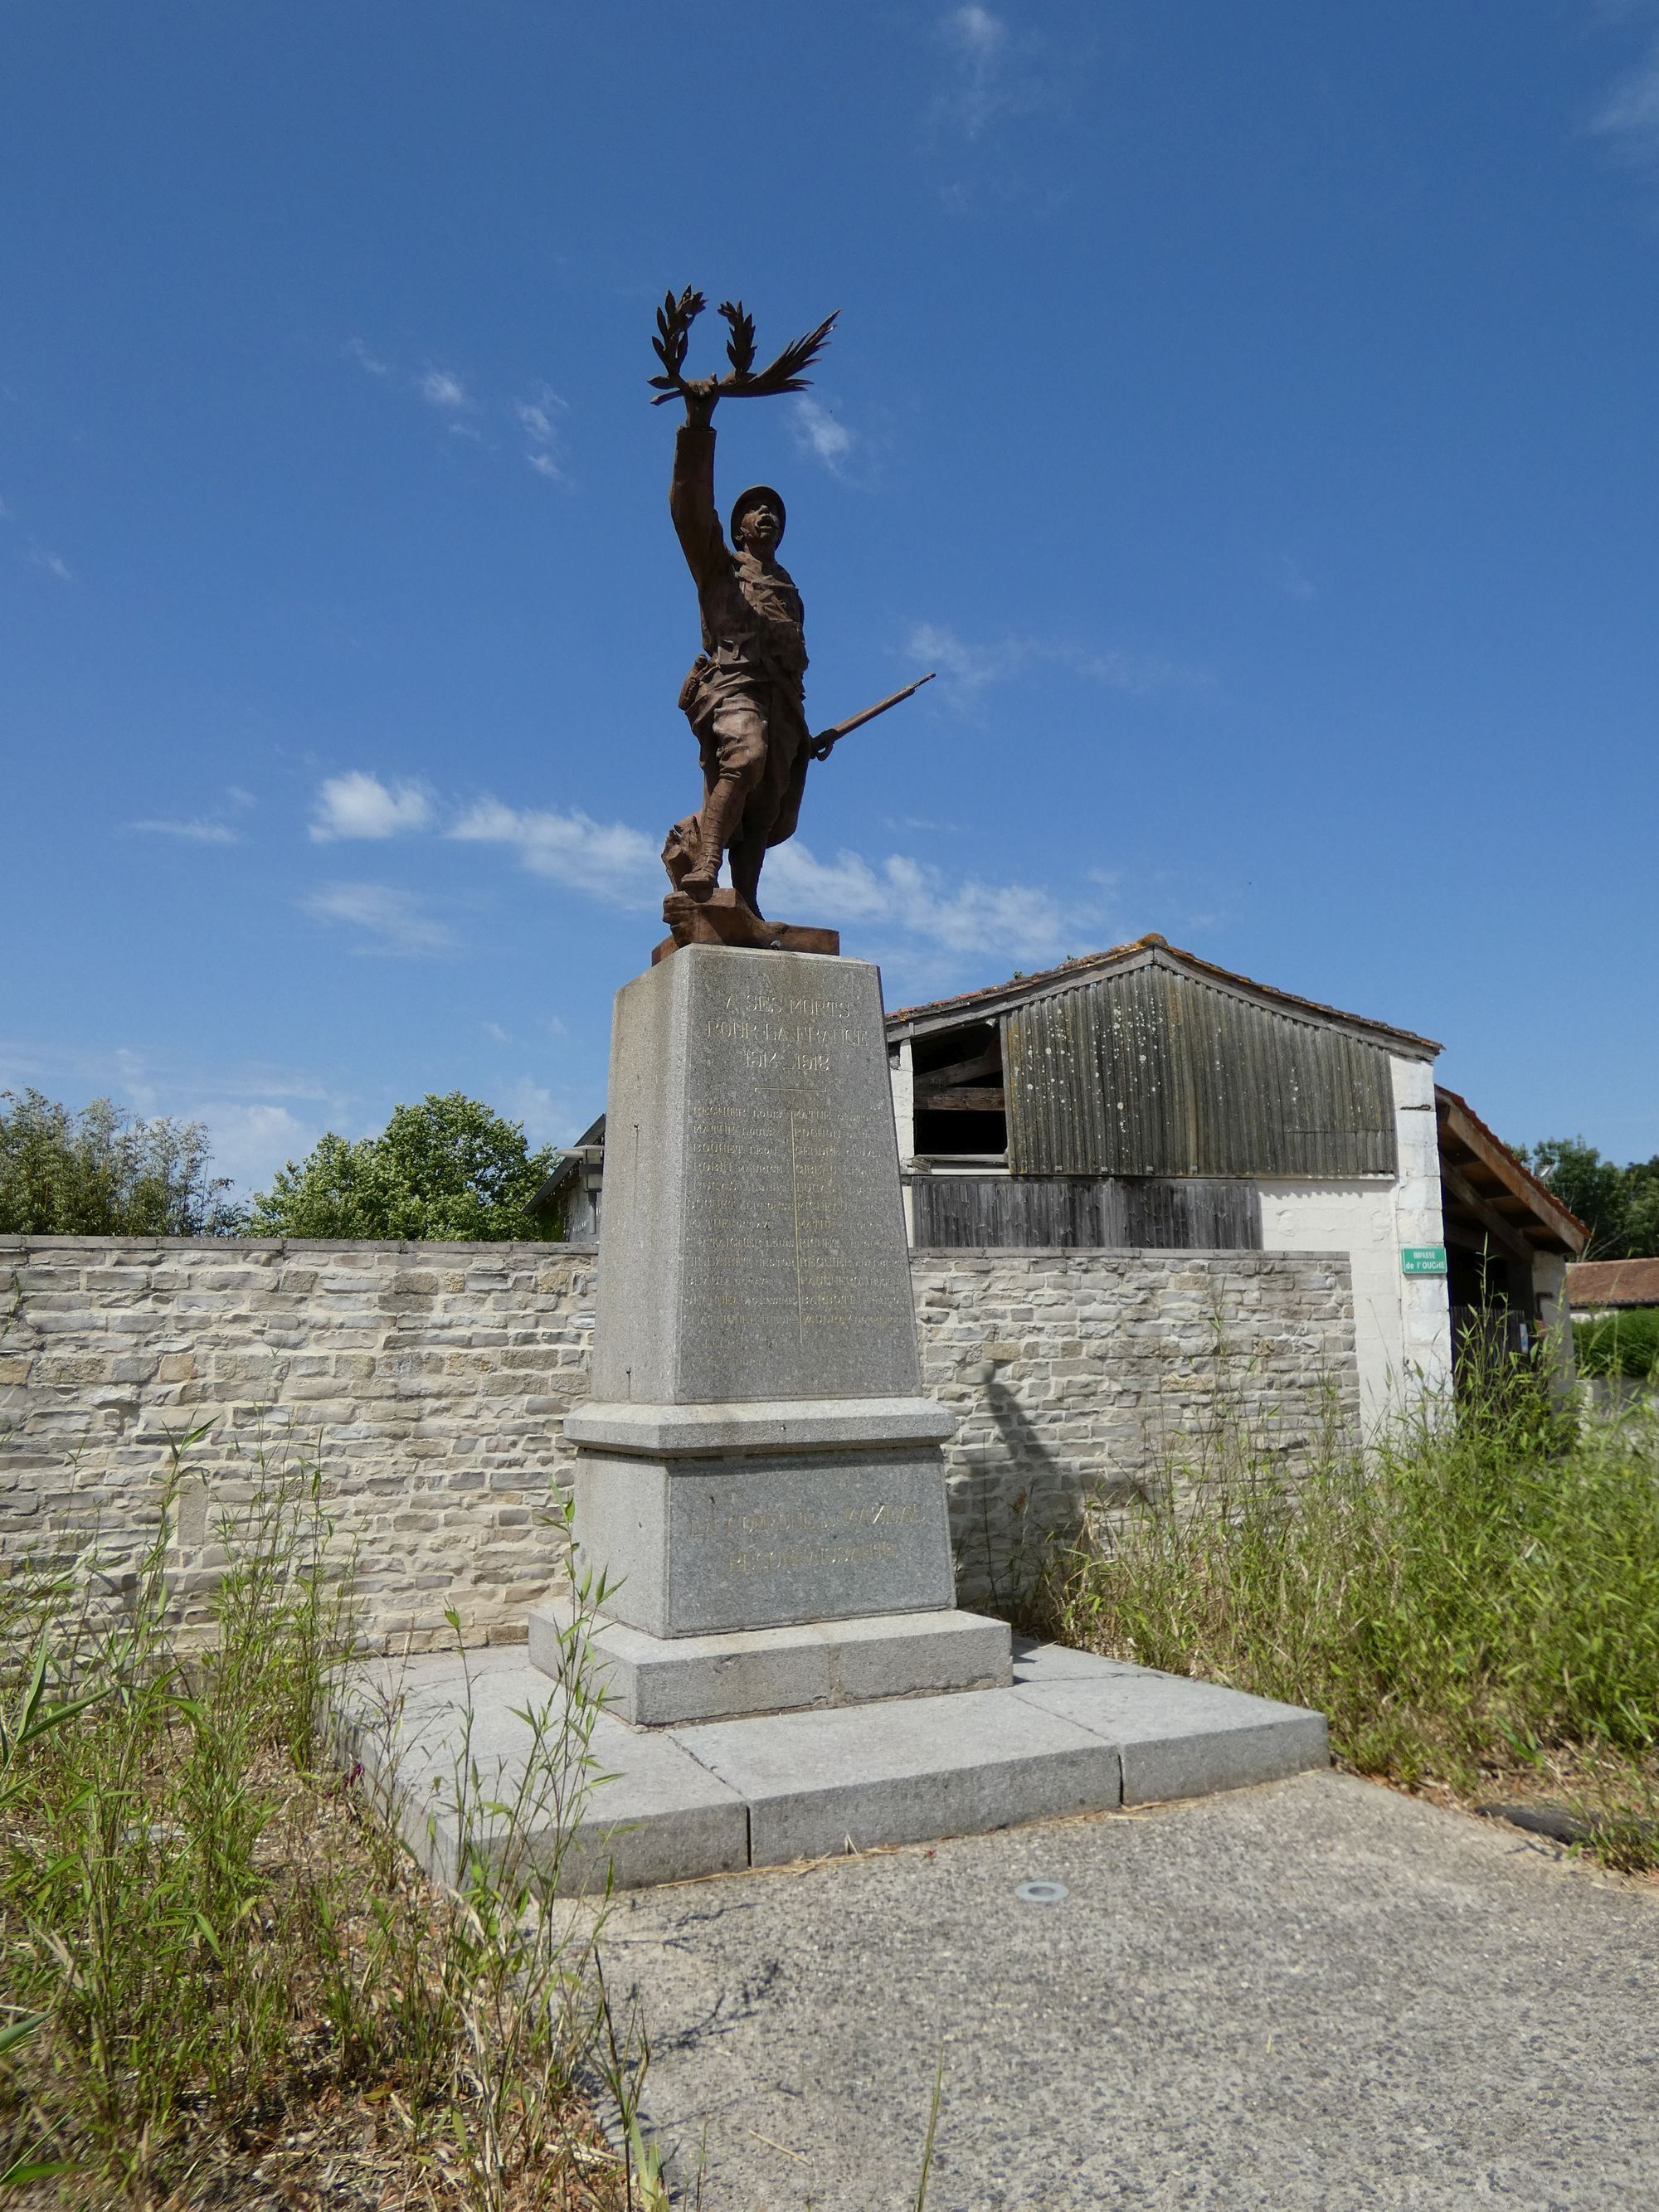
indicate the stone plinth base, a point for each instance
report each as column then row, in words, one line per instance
column 707, row 1519
column 656, row 1681
column 1073, row 1735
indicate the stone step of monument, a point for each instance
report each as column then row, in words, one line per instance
column 1073, row 1734
column 655, row 1681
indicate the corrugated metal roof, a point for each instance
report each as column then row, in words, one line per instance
column 1150, row 950
column 1149, row 1071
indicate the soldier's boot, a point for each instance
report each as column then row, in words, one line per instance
column 720, row 813
column 747, row 854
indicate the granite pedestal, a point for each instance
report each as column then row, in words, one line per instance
column 760, row 1505
column 756, row 1462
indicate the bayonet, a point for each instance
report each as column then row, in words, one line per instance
column 826, row 740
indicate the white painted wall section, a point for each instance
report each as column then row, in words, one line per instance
column 901, row 1075
column 1353, row 1215
column 1419, row 1218
column 1402, row 1323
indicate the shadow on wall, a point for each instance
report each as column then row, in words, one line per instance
column 1219, row 1415
column 1005, row 1566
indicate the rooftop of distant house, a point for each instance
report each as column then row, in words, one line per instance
column 1593, row 1283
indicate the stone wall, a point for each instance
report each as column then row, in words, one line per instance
column 426, row 1383
column 1085, row 1379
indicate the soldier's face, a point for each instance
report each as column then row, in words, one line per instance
column 761, row 528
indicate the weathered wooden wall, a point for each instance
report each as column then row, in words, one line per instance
column 1149, row 1072
column 1117, row 1214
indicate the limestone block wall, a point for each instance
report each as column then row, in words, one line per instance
column 1084, row 1379
column 426, row 1383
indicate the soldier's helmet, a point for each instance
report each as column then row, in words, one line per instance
column 752, row 498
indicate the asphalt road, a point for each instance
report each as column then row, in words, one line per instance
column 1316, row 1993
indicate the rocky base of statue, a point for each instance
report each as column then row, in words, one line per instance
column 759, row 1476
column 723, row 918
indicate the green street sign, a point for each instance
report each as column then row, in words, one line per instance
column 1422, row 1258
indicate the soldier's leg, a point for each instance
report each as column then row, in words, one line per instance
column 747, row 855
column 740, row 747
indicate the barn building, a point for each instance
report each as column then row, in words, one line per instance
column 1143, row 1097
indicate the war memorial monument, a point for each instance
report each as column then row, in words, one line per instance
column 760, row 1508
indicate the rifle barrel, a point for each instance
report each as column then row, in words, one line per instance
column 830, row 737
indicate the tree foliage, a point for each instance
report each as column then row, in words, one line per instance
column 103, row 1173
column 1620, row 1207
column 1623, row 1342
column 448, row 1169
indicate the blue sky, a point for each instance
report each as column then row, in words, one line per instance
column 1249, row 411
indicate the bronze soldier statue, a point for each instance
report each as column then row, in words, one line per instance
column 745, row 697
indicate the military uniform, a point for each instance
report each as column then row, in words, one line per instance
column 744, row 696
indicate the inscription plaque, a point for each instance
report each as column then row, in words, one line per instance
column 758, row 1543
column 779, row 1269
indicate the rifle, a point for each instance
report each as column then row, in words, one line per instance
column 826, row 740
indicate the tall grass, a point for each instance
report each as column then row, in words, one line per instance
column 1478, row 1594
column 228, row 1982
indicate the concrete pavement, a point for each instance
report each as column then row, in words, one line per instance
column 1311, row 1993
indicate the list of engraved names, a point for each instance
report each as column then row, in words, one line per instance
column 792, row 1227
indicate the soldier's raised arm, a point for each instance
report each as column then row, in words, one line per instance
column 692, row 494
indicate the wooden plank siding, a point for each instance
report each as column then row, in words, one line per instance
column 1185, row 1213
column 1151, row 1072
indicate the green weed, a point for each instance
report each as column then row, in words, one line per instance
column 226, row 1979
column 1478, row 1593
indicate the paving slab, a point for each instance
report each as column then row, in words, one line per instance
column 1183, row 1739
column 1315, row 1995
column 654, row 1814
column 904, row 1771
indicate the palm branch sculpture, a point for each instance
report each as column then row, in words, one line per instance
column 674, row 321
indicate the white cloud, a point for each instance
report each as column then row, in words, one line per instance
column 819, row 433
column 53, row 563
column 546, row 1116
column 360, row 806
column 251, row 1127
column 371, row 364
column 978, row 41
column 538, row 417
column 979, row 35
column 909, row 899
column 195, row 831
column 495, row 1030
column 250, row 1141
column 442, row 387
column 914, row 898
column 390, row 920
column 1631, row 113
column 970, row 668
column 612, row 861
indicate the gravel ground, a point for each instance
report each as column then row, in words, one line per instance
column 1317, row 1993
